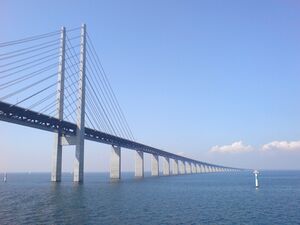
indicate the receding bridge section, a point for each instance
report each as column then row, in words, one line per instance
column 75, row 133
column 181, row 165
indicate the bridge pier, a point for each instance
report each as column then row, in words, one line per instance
column 198, row 169
column 175, row 167
column 181, row 167
column 206, row 168
column 79, row 160
column 166, row 166
column 187, row 167
column 193, row 168
column 154, row 165
column 201, row 168
column 139, row 164
column 115, row 163
column 56, row 159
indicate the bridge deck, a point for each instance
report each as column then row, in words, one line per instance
column 18, row 115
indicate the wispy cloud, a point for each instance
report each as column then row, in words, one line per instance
column 282, row 146
column 235, row 147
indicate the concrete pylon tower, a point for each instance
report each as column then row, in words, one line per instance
column 57, row 150
column 79, row 149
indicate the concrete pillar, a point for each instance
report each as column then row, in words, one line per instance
column 193, row 168
column 198, row 169
column 166, row 166
column 207, row 170
column 79, row 149
column 57, row 151
column 181, row 167
column 188, row 167
column 202, row 168
column 56, row 159
column 175, row 167
column 115, row 163
column 139, row 164
column 154, row 165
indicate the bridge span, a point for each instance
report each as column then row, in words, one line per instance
column 74, row 132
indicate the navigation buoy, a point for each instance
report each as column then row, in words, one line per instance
column 256, row 178
column 5, row 177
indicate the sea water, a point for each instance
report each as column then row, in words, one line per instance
column 211, row 198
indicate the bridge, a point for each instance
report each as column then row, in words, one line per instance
column 56, row 82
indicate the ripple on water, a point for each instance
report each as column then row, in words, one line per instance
column 196, row 199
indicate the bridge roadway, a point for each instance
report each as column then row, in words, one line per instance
column 26, row 117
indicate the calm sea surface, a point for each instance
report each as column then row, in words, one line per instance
column 191, row 199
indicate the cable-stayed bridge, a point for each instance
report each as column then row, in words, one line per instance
column 56, row 82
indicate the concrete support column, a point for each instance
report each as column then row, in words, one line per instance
column 166, row 166
column 115, row 163
column 188, row 167
column 139, row 164
column 207, row 169
column 79, row 150
column 202, row 168
column 193, row 168
column 154, row 165
column 181, row 167
column 57, row 151
column 56, row 159
column 198, row 169
column 175, row 167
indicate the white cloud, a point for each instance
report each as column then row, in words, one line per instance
column 282, row 145
column 235, row 147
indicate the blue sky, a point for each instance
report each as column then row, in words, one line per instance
column 214, row 80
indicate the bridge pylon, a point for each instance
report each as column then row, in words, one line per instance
column 59, row 139
column 57, row 150
column 79, row 151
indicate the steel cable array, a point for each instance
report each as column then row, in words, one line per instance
column 103, row 95
column 28, row 78
column 28, row 72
